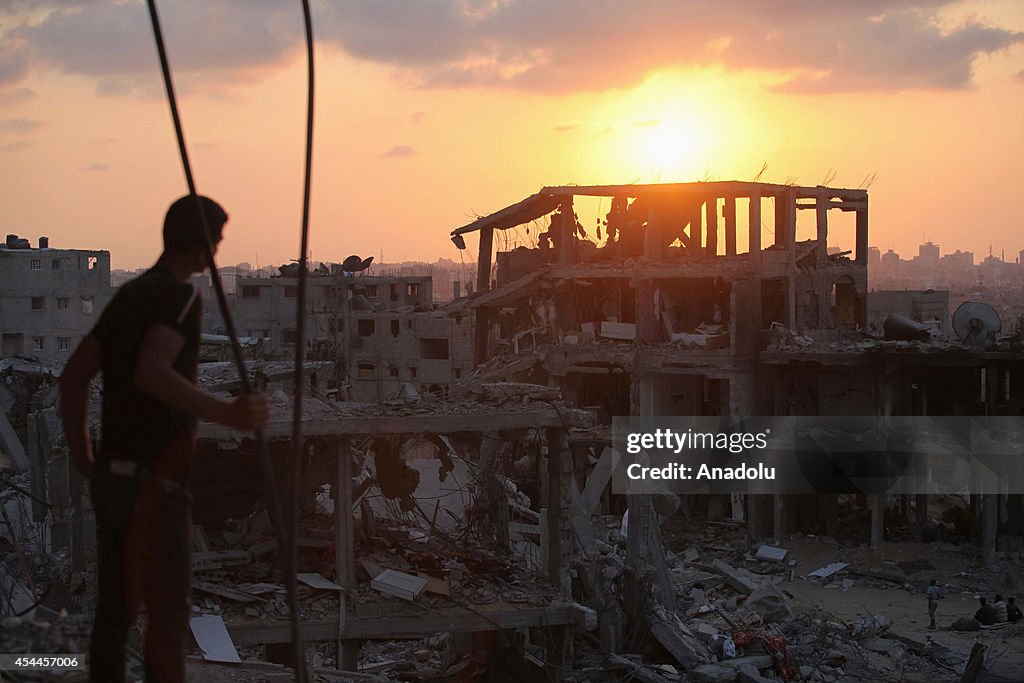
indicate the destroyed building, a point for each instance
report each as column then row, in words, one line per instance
column 472, row 532
column 683, row 307
column 50, row 297
column 383, row 332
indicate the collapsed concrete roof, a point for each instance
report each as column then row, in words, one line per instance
column 549, row 198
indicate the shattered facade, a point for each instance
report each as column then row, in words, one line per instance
column 669, row 316
column 51, row 297
column 383, row 332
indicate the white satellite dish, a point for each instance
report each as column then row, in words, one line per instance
column 975, row 323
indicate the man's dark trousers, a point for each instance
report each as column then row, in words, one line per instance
column 144, row 560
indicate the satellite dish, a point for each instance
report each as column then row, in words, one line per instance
column 975, row 323
column 354, row 264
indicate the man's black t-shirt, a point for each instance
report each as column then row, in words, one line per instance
column 136, row 426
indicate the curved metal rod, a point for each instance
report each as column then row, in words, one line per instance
column 300, row 343
column 236, row 350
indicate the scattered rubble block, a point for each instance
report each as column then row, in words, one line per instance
column 770, row 602
column 213, row 639
column 771, row 553
column 829, row 569
column 733, row 577
column 399, row 584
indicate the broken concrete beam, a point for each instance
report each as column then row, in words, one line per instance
column 598, row 481
column 687, row 650
column 732, row 577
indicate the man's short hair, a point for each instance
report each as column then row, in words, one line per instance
column 183, row 228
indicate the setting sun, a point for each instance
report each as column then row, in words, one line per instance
column 666, row 147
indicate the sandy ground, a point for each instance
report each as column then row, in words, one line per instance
column 955, row 568
column 909, row 616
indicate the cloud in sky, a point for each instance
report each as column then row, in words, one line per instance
column 21, row 125
column 14, row 60
column 16, row 146
column 536, row 45
column 16, row 95
column 97, row 167
column 399, row 152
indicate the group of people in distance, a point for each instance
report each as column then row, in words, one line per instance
column 999, row 612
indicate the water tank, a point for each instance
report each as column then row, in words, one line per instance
column 44, row 242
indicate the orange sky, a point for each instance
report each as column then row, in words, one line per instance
column 428, row 114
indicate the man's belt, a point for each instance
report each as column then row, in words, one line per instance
column 130, row 469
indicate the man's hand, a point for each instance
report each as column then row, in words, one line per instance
column 156, row 376
column 248, row 411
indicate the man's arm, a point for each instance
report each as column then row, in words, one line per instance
column 74, row 401
column 155, row 375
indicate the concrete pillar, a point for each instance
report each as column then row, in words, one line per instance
column 729, row 211
column 861, row 254
column 711, row 219
column 344, row 552
column 779, row 517
column 991, row 523
column 754, row 515
column 559, row 532
column 696, row 228
column 821, row 213
column 785, row 220
column 483, row 264
column 920, row 515
column 648, row 328
column 876, row 501
column 654, row 236
column 754, row 254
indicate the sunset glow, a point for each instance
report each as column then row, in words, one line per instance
column 415, row 135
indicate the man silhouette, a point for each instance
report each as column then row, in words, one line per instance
column 146, row 344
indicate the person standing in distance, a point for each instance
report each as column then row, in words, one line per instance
column 146, row 343
column 933, row 603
